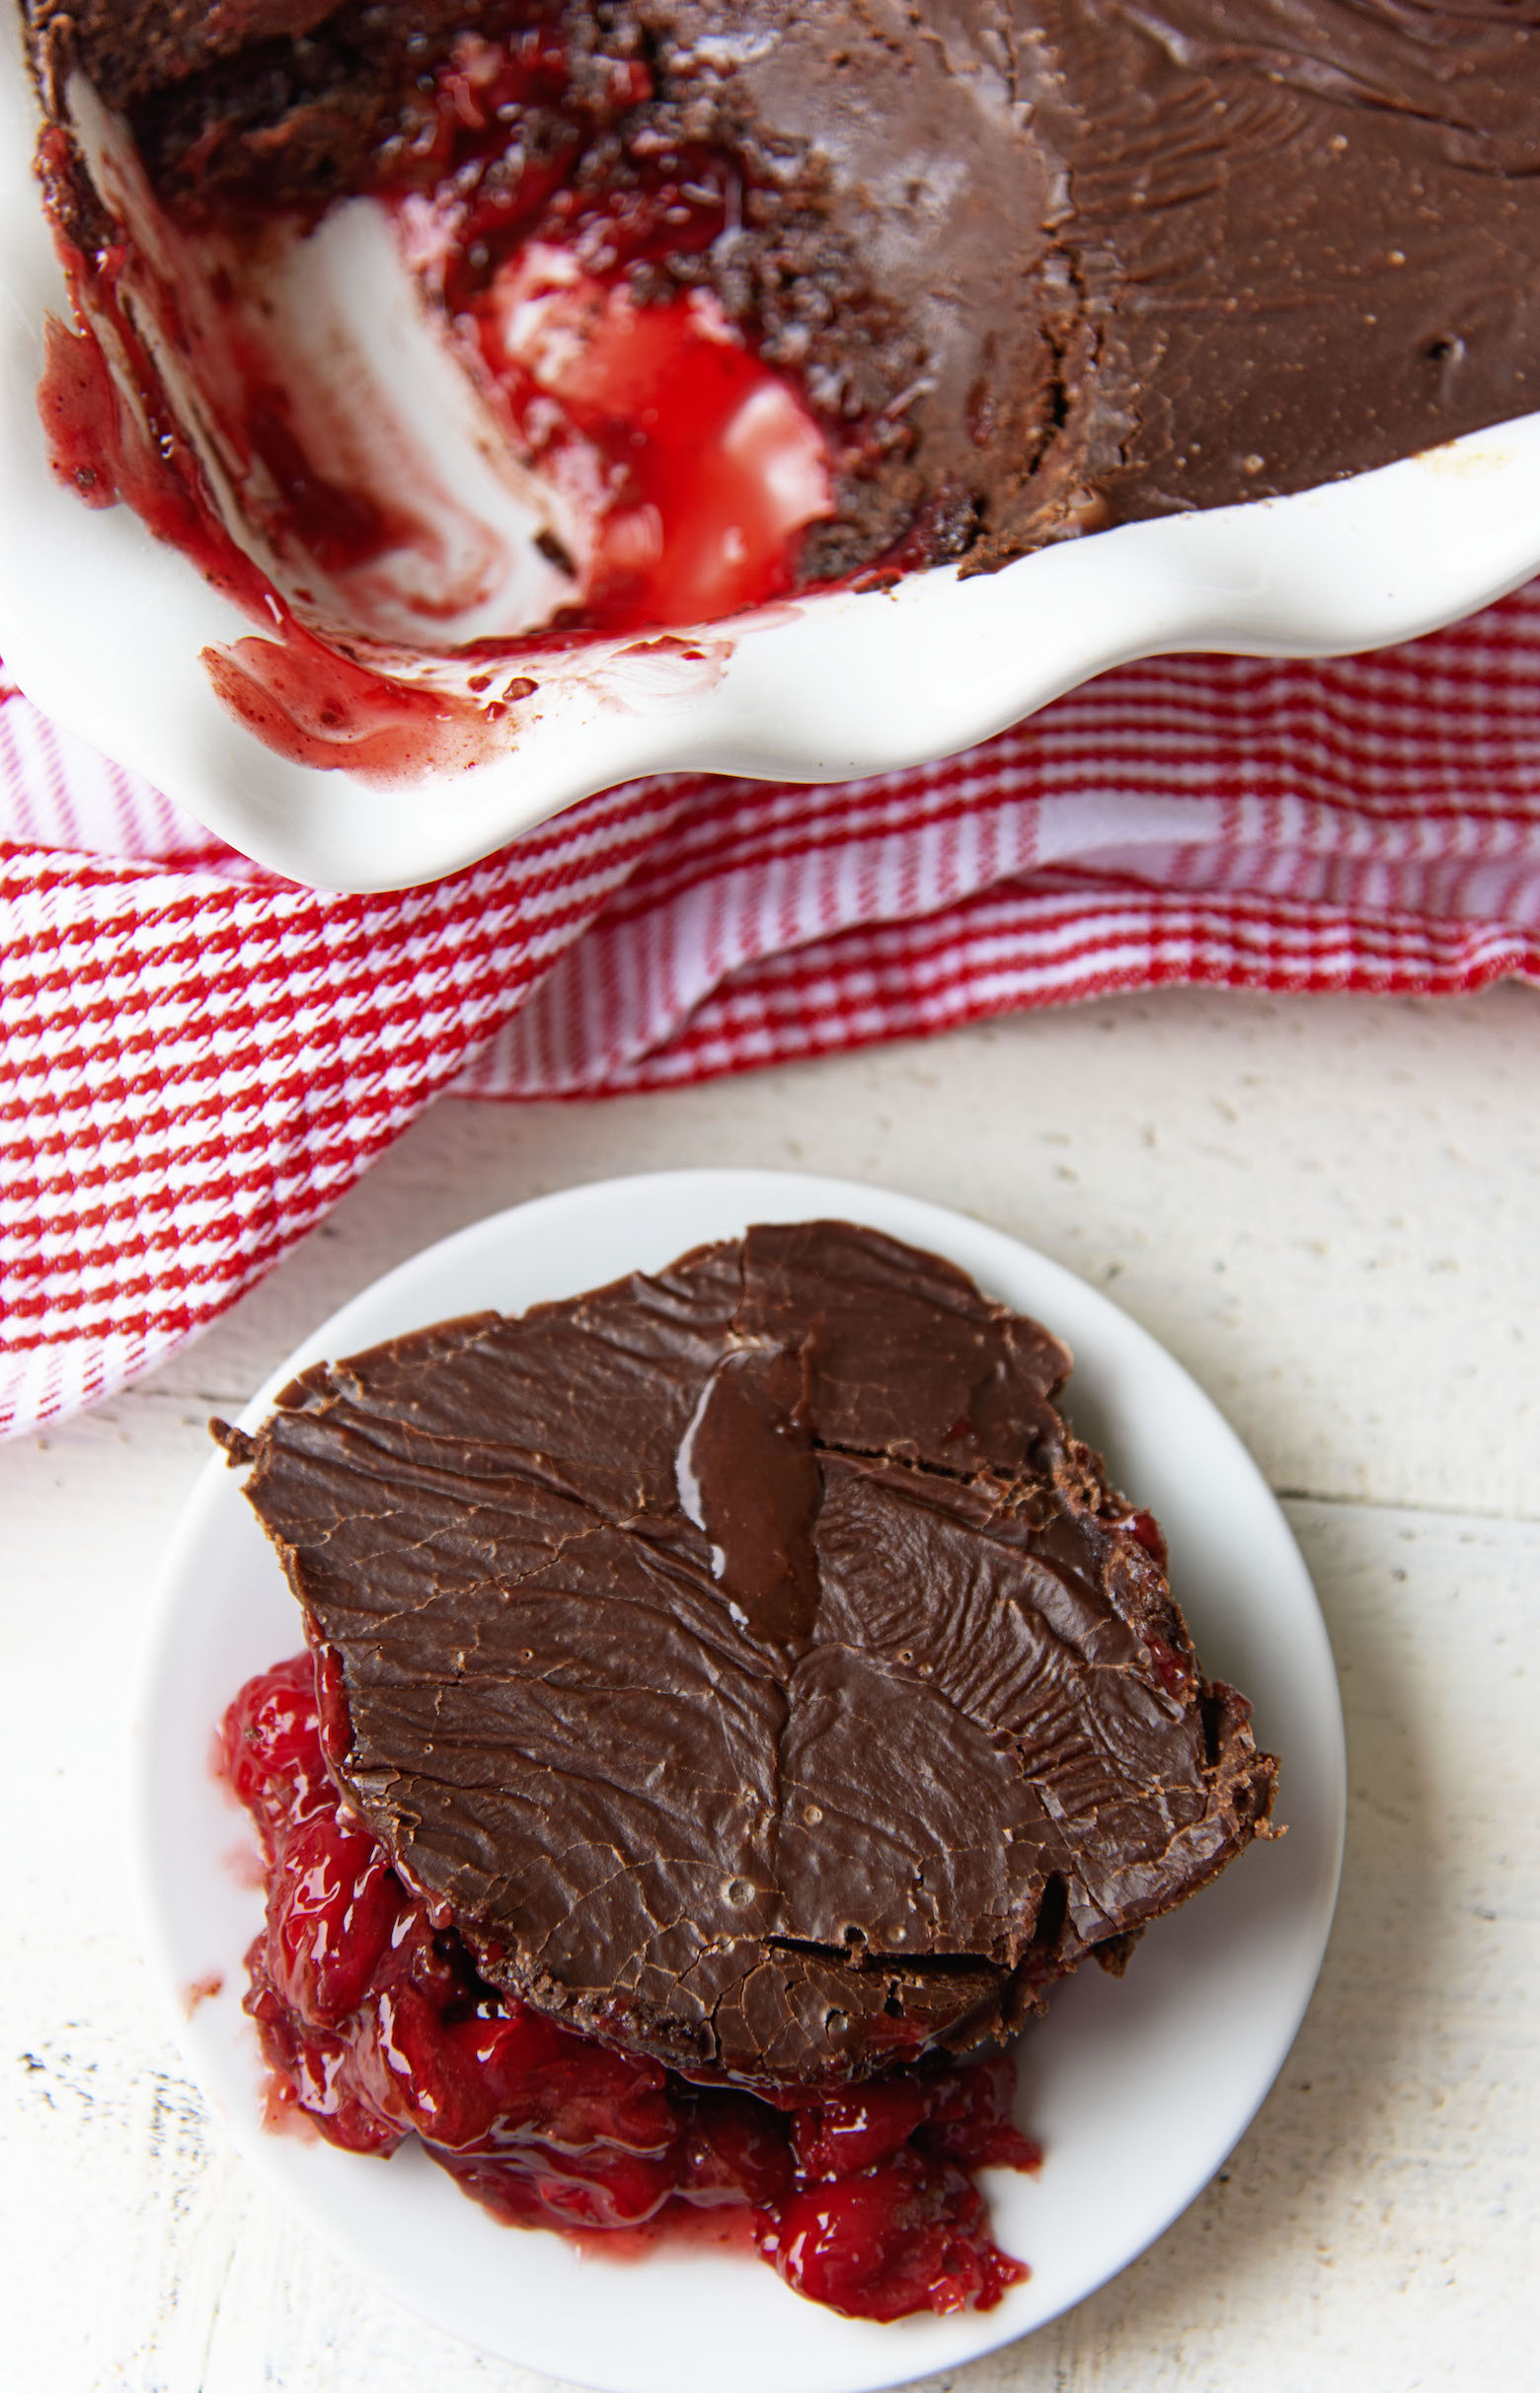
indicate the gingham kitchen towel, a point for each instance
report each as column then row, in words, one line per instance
column 199, row 1058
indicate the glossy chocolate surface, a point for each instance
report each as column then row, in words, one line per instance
column 750, row 1658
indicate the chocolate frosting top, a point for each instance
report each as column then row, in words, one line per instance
column 749, row 1657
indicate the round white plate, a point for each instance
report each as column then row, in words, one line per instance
column 1137, row 2088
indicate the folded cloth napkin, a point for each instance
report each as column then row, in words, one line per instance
column 200, row 1058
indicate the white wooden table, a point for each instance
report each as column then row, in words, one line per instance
column 1330, row 1211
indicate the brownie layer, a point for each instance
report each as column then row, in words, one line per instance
column 1058, row 262
column 749, row 1657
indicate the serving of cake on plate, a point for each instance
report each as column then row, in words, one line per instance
column 734, row 1698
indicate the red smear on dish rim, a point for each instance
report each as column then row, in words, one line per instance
column 292, row 688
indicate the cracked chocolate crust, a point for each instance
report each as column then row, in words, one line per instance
column 750, row 1660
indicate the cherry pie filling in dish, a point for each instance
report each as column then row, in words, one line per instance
column 743, row 303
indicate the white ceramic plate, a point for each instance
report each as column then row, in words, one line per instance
column 103, row 627
column 1137, row 2088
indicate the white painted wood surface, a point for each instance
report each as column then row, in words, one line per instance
column 1328, row 1208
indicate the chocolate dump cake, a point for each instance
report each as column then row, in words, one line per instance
column 1009, row 269
column 750, row 1666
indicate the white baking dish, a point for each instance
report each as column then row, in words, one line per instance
column 103, row 627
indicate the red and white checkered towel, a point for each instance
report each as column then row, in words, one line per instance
column 199, row 1058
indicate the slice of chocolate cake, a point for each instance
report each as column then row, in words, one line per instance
column 1035, row 266
column 750, row 1659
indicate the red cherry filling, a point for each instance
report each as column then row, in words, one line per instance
column 564, row 239
column 375, row 2024
column 895, row 2239
column 690, row 469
